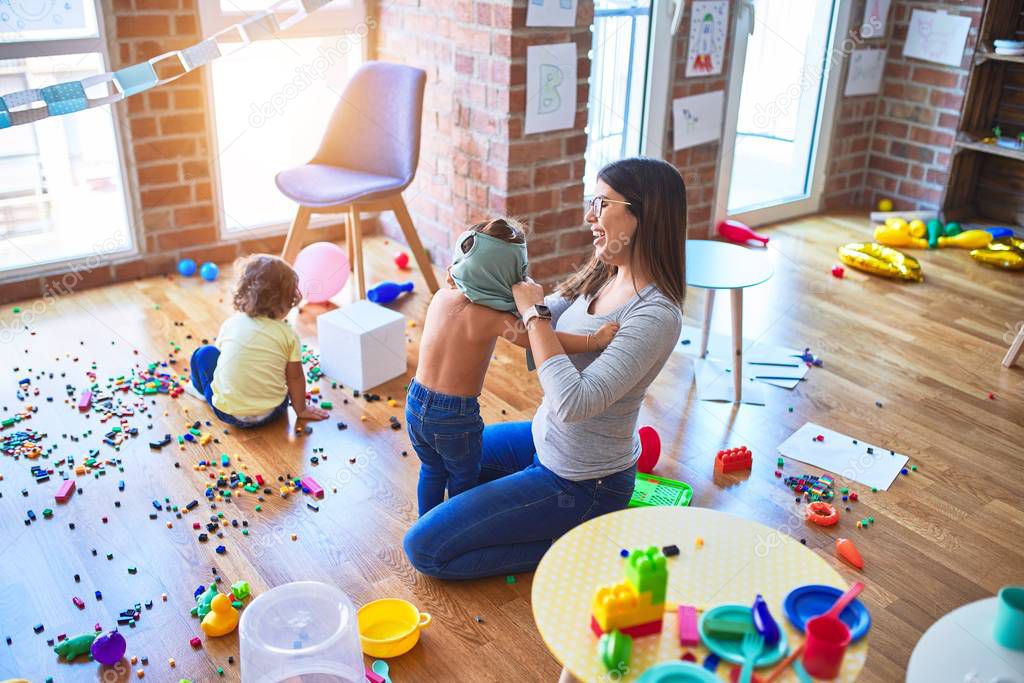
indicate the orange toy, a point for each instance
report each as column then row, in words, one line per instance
column 848, row 551
column 822, row 514
column 733, row 459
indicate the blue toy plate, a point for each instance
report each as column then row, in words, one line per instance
column 730, row 649
column 678, row 672
column 806, row 602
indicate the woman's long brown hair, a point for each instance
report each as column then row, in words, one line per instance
column 657, row 198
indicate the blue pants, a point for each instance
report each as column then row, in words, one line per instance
column 446, row 433
column 203, row 363
column 506, row 523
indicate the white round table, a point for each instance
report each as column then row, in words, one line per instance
column 715, row 265
column 960, row 644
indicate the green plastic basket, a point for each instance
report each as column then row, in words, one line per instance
column 651, row 490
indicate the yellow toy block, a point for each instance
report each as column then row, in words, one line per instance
column 619, row 607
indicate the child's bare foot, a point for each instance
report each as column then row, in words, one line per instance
column 312, row 413
column 605, row 333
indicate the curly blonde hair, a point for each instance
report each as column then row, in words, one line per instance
column 266, row 286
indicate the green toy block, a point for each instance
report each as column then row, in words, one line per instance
column 75, row 647
column 728, row 628
column 646, row 572
column 326, row 405
column 240, row 589
column 615, row 650
column 202, row 607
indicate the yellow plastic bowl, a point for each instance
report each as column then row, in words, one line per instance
column 390, row 627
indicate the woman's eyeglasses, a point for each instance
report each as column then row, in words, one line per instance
column 597, row 204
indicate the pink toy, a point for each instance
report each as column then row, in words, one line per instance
column 65, row 491
column 737, row 232
column 310, row 486
column 838, row 272
column 650, row 449
column 688, row 634
column 402, row 260
column 195, row 642
column 371, row 675
column 323, row 270
column 85, row 401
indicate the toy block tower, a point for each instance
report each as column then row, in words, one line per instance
column 636, row 605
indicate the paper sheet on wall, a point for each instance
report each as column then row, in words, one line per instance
column 697, row 119
column 937, row 37
column 864, row 76
column 844, row 455
column 709, row 24
column 876, row 15
column 24, row 16
column 551, row 13
column 550, row 87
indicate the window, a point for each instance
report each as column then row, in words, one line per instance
column 62, row 190
column 271, row 101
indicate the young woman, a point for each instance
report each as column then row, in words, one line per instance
column 577, row 459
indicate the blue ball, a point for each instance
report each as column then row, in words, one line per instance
column 187, row 267
column 209, row 271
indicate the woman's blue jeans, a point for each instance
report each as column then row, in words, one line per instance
column 506, row 523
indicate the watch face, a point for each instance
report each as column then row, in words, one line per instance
column 543, row 310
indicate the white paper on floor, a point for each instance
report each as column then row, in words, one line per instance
column 785, row 362
column 714, row 383
column 862, row 462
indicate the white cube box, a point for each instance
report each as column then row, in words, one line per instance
column 362, row 345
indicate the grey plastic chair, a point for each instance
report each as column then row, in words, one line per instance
column 367, row 158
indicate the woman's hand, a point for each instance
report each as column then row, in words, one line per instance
column 527, row 293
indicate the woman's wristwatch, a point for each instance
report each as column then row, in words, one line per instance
column 537, row 311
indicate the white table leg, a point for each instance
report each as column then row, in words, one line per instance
column 567, row 677
column 737, row 342
column 705, row 331
column 1015, row 348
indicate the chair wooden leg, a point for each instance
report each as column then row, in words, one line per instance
column 1015, row 348
column 348, row 241
column 737, row 343
column 413, row 240
column 356, row 234
column 705, row 330
column 296, row 233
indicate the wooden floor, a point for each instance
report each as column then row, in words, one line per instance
column 930, row 353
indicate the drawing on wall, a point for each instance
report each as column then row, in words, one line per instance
column 697, row 119
column 709, row 22
column 40, row 15
column 865, row 74
column 550, row 87
column 551, row 13
column 937, row 37
column 876, row 14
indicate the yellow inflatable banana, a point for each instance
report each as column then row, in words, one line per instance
column 880, row 260
column 968, row 239
column 1003, row 252
column 897, row 233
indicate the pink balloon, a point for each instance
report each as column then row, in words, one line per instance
column 323, row 270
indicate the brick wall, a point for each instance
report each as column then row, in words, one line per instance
column 917, row 115
column 475, row 161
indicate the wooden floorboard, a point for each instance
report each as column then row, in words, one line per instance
column 930, row 353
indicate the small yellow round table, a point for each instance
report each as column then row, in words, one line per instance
column 739, row 559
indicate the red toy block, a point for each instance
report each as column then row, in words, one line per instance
column 688, row 634
column 195, row 642
column 79, row 603
column 310, row 486
column 85, row 402
column 65, row 491
column 259, row 479
column 646, row 629
column 733, row 459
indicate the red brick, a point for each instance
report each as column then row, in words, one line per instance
column 937, row 77
column 555, row 173
column 141, row 26
column 929, row 136
column 946, row 100
column 143, row 127
column 188, row 98
column 193, row 215
column 178, row 239
column 158, row 175
column 185, row 24
column 181, row 123
column 157, row 100
column 166, row 196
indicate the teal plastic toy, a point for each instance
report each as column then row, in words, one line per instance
column 75, row 647
column 202, row 607
column 1008, row 629
column 952, row 228
column 934, row 232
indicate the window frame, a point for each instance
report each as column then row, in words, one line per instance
column 329, row 20
column 97, row 44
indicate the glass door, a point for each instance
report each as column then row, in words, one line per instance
column 782, row 94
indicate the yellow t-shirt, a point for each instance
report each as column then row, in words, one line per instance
column 250, row 376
